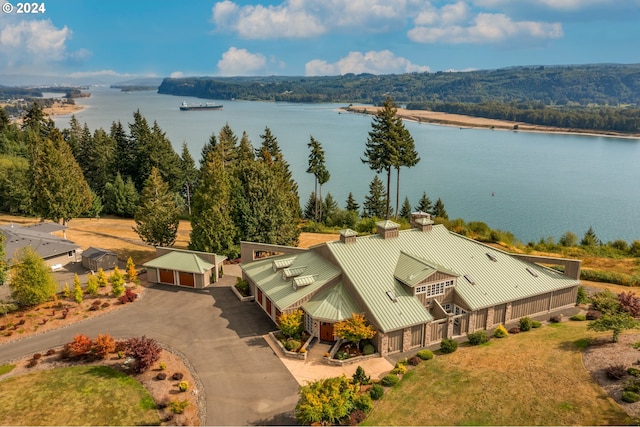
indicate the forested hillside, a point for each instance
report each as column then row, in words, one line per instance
column 603, row 84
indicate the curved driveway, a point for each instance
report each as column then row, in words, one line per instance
column 244, row 381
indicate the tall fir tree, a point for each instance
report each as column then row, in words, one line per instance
column 321, row 174
column 228, row 145
column 189, row 175
column 439, row 211
column 100, row 161
column 59, row 189
column 121, row 197
column 309, row 211
column 73, row 135
column 245, row 149
column 351, row 204
column 382, row 148
column 375, row 202
column 126, row 149
column 212, row 227
column 407, row 154
column 405, row 210
column 424, row 204
column 330, row 209
column 35, row 120
column 158, row 214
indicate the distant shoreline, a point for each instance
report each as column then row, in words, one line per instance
column 62, row 109
column 471, row 122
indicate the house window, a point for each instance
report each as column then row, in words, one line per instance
column 449, row 283
column 421, row 289
column 70, row 254
column 308, row 323
column 435, row 289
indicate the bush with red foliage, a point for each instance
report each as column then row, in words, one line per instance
column 514, row 330
column 103, row 345
column 356, row 417
column 414, row 361
column 629, row 303
column 128, row 296
column 80, row 346
column 145, row 351
column 593, row 315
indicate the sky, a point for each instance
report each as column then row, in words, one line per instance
column 93, row 41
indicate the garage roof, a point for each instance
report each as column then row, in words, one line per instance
column 181, row 261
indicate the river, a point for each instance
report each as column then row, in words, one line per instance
column 534, row 185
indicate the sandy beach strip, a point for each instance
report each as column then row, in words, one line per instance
column 62, row 109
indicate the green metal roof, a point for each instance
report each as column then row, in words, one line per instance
column 280, row 291
column 412, row 270
column 188, row 262
column 332, row 305
column 371, row 263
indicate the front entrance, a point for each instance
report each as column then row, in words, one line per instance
column 326, row 332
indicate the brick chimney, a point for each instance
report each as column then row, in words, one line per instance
column 421, row 220
column 387, row 229
column 348, row 236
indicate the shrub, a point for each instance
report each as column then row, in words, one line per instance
column 635, row 372
column 525, row 324
column 390, row 380
column 616, row 372
column 32, row 363
column 178, row 406
column 605, row 302
column 80, row 346
column 183, row 386
column 117, row 282
column 360, row 377
column 425, row 354
column 103, row 345
column 557, row 318
column 363, row 402
column 399, row 369
column 593, row 315
column 161, row 376
column 128, row 296
column 500, row 332
column 514, row 330
column 376, row 391
column 414, row 361
column 178, row 376
column 162, row 366
column 448, row 345
column 292, row 345
column 78, row 293
column 356, row 417
column 50, row 352
column 92, row 285
column 578, row 317
column 632, row 385
column 368, row 349
column 341, row 355
column 636, row 345
column 477, row 338
column 629, row 303
column 242, row 286
column 66, row 291
column 535, row 324
column 145, row 351
column 630, row 397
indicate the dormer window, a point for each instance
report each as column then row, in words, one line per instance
column 282, row 263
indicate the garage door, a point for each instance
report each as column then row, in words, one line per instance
column 166, row 276
column 395, row 341
column 187, row 279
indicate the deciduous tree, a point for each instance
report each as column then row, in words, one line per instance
column 31, row 281
column 290, row 324
column 354, row 329
column 614, row 322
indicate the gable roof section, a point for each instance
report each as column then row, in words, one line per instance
column 96, row 253
column 332, row 305
column 187, row 262
column 412, row 270
column 45, row 244
column 280, row 291
column 370, row 264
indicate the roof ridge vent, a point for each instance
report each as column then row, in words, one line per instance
column 492, row 257
column 278, row 264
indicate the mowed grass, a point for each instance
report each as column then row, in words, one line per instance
column 533, row 378
column 82, row 395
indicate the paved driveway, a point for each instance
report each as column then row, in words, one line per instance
column 244, row 382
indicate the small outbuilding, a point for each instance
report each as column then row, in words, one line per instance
column 179, row 267
column 96, row 258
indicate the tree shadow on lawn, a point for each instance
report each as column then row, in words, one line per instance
column 579, row 345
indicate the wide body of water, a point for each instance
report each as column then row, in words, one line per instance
column 532, row 184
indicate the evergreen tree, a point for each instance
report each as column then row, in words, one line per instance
column 245, row 149
column 424, row 204
column 212, row 228
column 59, row 189
column 321, row 174
column 211, row 145
column 102, row 278
column 92, row 285
column 96, row 207
column 117, row 282
column 31, row 282
column 407, row 154
column 330, row 209
column 590, row 238
column 78, row 293
column 405, row 210
column 382, row 148
column 310, row 208
column 125, row 149
column 375, row 202
column 99, row 161
column 15, row 187
column 189, row 174
column 36, row 121
column 439, row 210
column 73, row 136
column 132, row 273
column 120, row 197
column 158, row 215
column 352, row 205
column 228, row 145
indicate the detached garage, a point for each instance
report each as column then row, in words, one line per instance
column 97, row 258
column 179, row 267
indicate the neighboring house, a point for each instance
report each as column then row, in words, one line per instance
column 179, row 267
column 415, row 286
column 56, row 251
column 95, row 258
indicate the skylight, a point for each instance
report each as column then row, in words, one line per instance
column 392, row 296
column 532, row 272
column 492, row 257
column 469, row 279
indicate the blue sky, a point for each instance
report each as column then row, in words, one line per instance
column 115, row 40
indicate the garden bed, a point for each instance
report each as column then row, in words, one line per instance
column 354, row 354
column 301, row 354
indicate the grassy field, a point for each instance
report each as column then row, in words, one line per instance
column 533, row 378
column 83, row 395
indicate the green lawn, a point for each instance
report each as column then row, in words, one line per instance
column 533, row 378
column 81, row 395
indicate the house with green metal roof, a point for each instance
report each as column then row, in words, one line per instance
column 179, row 267
column 414, row 286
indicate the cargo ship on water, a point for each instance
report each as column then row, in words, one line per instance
column 207, row 106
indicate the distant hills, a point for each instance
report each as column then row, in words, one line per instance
column 599, row 84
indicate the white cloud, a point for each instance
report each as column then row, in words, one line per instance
column 566, row 5
column 374, row 62
column 39, row 41
column 176, row 74
column 311, row 18
column 241, row 62
column 106, row 73
column 486, row 28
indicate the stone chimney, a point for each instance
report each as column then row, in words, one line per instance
column 421, row 220
column 348, row 236
column 387, row 229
